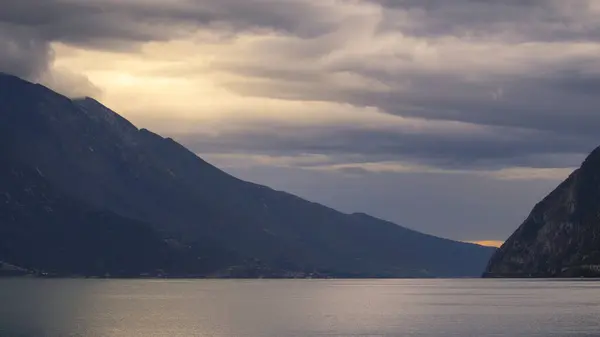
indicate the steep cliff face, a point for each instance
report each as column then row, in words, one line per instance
column 561, row 236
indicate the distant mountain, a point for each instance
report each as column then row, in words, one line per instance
column 561, row 236
column 83, row 191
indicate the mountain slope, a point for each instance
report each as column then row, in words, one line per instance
column 44, row 230
column 561, row 236
column 95, row 157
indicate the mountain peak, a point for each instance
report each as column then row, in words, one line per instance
column 561, row 235
column 593, row 159
column 122, row 192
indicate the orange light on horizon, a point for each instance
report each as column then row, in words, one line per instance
column 488, row 243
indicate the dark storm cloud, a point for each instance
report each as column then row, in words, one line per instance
column 95, row 22
column 518, row 20
column 27, row 27
column 548, row 82
column 565, row 101
column 554, row 99
column 22, row 51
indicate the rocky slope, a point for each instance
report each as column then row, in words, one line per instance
column 561, row 236
column 133, row 194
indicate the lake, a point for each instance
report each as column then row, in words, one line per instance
column 282, row 308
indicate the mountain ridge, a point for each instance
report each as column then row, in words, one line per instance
column 92, row 155
column 561, row 235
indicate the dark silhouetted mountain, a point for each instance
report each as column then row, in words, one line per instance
column 561, row 236
column 84, row 191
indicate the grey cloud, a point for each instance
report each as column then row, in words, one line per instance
column 519, row 20
column 577, row 82
column 70, row 84
column 87, row 22
column 565, row 102
column 27, row 27
column 559, row 94
column 555, row 102
column 100, row 21
column 500, row 149
column 526, row 104
column 23, row 52
column 353, row 171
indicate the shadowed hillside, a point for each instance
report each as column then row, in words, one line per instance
column 561, row 236
column 85, row 191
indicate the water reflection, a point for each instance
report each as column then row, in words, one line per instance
column 37, row 307
column 127, row 308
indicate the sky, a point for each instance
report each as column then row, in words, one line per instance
column 451, row 117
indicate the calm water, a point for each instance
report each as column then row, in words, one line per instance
column 30, row 307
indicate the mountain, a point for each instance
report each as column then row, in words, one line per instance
column 561, row 236
column 83, row 191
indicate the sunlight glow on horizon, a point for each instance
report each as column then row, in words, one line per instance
column 488, row 243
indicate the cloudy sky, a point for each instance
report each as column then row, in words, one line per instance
column 452, row 117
